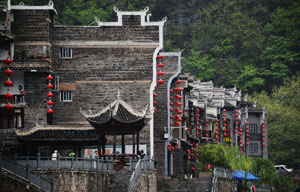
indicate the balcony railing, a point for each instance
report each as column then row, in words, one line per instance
column 15, row 100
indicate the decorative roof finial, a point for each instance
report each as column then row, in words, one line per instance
column 116, row 9
column 118, row 95
column 51, row 3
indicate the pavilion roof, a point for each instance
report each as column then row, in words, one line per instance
column 118, row 111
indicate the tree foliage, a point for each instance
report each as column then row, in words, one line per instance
column 283, row 114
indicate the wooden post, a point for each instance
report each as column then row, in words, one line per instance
column 123, row 144
column 133, row 143
column 138, row 141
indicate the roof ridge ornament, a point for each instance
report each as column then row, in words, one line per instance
column 116, row 9
column 22, row 3
column 146, row 9
column 118, row 95
column 51, row 3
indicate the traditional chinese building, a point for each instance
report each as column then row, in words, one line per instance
column 111, row 88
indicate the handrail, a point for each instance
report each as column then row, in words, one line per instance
column 39, row 162
column 26, row 174
column 142, row 165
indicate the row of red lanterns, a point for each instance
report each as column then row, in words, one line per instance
column 198, row 122
column 206, row 130
column 217, row 131
column 224, row 121
column 171, row 148
column 160, row 65
column 8, row 83
column 49, row 94
column 178, row 104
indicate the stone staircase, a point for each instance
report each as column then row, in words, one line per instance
column 120, row 181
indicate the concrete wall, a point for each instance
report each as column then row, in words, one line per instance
column 225, row 185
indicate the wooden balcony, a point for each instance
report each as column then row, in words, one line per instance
column 17, row 99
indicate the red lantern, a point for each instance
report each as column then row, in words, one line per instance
column 160, row 65
column 196, row 145
column 247, row 144
column 49, row 86
column 178, row 89
column 241, row 146
column 154, row 102
column 224, row 110
column 263, row 135
column 49, row 77
column 171, row 117
column 188, row 132
column 155, row 110
column 8, row 83
column 241, row 130
column 178, row 97
column 198, row 115
column 206, row 135
column 224, row 115
column 8, row 61
column 236, row 115
column 225, row 134
column 217, row 120
column 49, row 102
column 50, row 111
column 177, row 123
column 236, row 123
column 263, row 144
column 179, row 119
column 197, row 110
column 262, row 123
column 241, row 151
column 50, row 94
column 217, row 125
column 8, row 95
column 247, row 139
column 217, row 138
column 224, row 129
column 171, row 109
column 8, row 72
column 247, row 131
column 160, row 81
column 179, row 112
column 241, row 142
column 9, row 106
column 188, row 151
column 171, row 123
column 241, row 134
column 206, row 125
column 246, row 123
column 159, row 57
column 263, row 126
column 236, row 119
column 263, row 139
column 217, row 129
column 171, row 97
column 197, row 128
column 207, row 130
column 247, row 127
column 247, row 135
column 197, row 133
column 171, row 91
column 178, row 103
column 224, row 120
column 189, row 158
column 235, row 111
column 236, row 128
column 160, row 73
column 179, row 81
column 192, row 168
column 263, row 131
column 217, row 133
column 206, row 140
column 154, row 94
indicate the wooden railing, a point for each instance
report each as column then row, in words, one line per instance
column 39, row 162
column 15, row 100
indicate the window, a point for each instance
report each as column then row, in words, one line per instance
column 253, row 148
column 65, row 53
column 253, row 128
column 65, row 96
column 56, row 83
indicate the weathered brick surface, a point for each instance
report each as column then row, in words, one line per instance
column 130, row 31
column 31, row 25
column 147, row 182
column 35, row 97
column 225, row 185
column 161, row 116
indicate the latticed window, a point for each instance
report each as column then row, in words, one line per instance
column 253, row 148
column 65, row 53
column 253, row 128
column 66, row 96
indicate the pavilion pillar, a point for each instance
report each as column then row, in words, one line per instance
column 133, row 143
column 123, row 144
column 138, row 141
column 114, row 144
